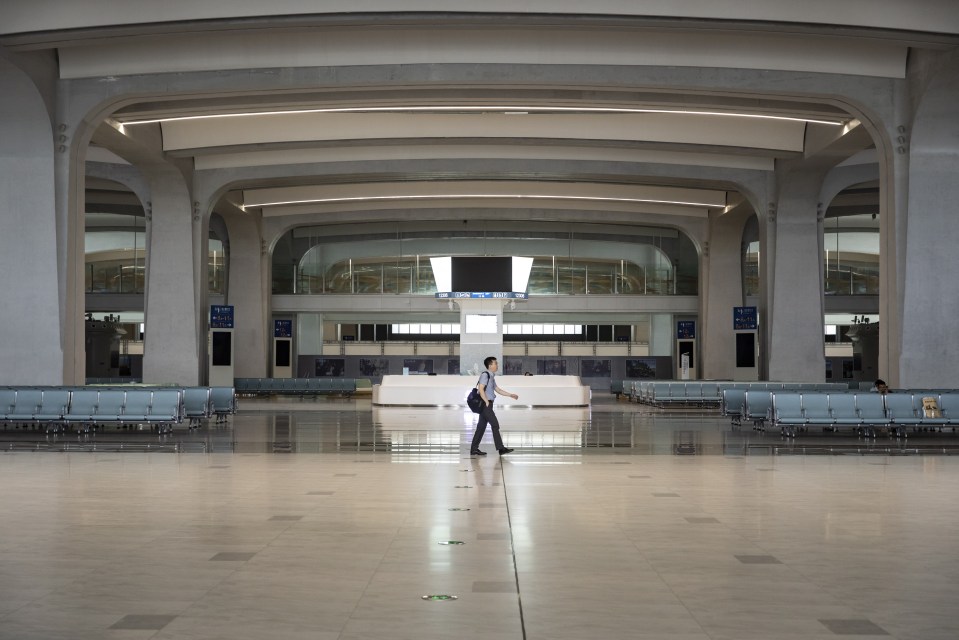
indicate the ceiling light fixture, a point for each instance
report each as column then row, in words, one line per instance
column 507, row 110
column 487, row 196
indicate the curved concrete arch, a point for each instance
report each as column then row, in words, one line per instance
column 843, row 177
column 125, row 175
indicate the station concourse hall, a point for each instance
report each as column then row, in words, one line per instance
column 256, row 255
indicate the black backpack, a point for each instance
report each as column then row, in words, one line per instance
column 474, row 400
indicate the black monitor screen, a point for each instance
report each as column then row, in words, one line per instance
column 222, row 351
column 745, row 350
column 482, row 273
column 282, row 358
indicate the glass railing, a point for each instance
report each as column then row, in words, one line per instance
column 581, row 279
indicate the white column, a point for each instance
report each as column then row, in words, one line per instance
column 476, row 347
column 248, row 292
column 661, row 334
column 309, row 334
column 796, row 348
column 171, row 353
column 930, row 349
column 724, row 291
column 30, row 319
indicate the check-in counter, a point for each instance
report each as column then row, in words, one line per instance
column 434, row 391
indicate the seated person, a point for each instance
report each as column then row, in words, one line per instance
column 881, row 387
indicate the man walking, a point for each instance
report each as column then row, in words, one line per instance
column 488, row 389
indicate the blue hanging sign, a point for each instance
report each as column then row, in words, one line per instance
column 745, row 319
column 221, row 316
column 282, row 328
column 686, row 329
column 510, row 295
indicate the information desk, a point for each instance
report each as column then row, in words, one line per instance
column 433, row 391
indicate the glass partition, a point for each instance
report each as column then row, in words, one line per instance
column 653, row 261
column 115, row 248
column 851, row 255
column 115, row 255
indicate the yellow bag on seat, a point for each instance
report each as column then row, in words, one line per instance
column 930, row 408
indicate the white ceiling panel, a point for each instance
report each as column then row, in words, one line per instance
column 506, row 151
column 682, row 128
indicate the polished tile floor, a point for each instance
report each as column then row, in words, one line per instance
column 329, row 520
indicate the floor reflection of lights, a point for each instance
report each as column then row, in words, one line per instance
column 555, row 434
column 540, row 436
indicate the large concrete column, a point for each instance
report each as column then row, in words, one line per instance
column 796, row 345
column 724, row 291
column 171, row 344
column 30, row 345
column 308, row 340
column 249, row 295
column 930, row 348
column 661, row 334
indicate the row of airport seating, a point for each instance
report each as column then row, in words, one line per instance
column 86, row 408
column 295, row 386
column 688, row 392
column 865, row 412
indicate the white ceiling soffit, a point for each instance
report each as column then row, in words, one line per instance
column 348, row 46
column 102, row 154
column 934, row 16
column 485, row 193
column 866, row 156
column 504, row 151
column 680, row 128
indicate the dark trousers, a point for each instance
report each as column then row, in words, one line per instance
column 487, row 417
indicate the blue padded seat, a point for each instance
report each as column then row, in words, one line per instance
column 949, row 403
column 901, row 409
column 110, row 405
column 815, row 408
column 197, row 403
column 843, row 408
column 872, row 409
column 732, row 402
column 83, row 406
column 8, row 399
column 167, row 407
column 26, row 406
column 53, row 405
column 224, row 400
column 759, row 404
column 137, row 408
column 787, row 408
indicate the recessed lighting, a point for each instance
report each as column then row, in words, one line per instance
column 506, row 110
column 487, row 196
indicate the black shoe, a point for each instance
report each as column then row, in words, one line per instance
column 505, row 450
column 477, row 452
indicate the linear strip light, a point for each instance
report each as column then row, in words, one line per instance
column 459, row 196
column 509, row 110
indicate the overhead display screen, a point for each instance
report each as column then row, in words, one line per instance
column 483, row 273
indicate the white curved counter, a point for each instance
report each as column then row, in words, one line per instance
column 433, row 391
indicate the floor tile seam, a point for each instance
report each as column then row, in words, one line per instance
column 372, row 576
column 512, row 545
column 74, row 582
column 672, row 592
column 839, row 596
column 218, row 584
